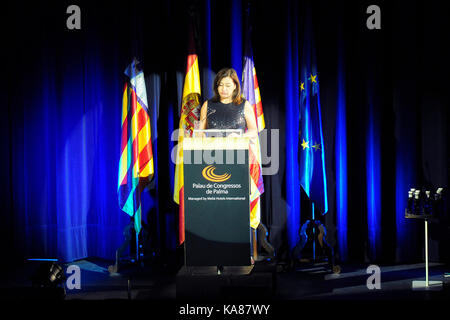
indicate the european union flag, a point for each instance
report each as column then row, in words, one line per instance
column 311, row 147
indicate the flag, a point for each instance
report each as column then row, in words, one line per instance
column 250, row 91
column 311, row 147
column 136, row 157
column 190, row 112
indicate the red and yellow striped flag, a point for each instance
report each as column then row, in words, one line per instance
column 190, row 112
column 250, row 91
column 136, row 157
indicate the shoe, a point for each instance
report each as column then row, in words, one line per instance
column 252, row 260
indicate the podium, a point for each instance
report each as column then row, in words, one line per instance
column 217, row 224
column 216, row 201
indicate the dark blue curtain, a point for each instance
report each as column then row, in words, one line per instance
column 64, row 130
column 292, row 109
column 65, row 138
column 61, row 97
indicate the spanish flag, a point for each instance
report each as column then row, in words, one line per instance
column 250, row 91
column 136, row 157
column 190, row 112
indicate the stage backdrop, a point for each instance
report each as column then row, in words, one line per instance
column 383, row 96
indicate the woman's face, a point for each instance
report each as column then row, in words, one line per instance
column 226, row 88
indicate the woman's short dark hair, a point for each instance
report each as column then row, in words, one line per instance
column 223, row 73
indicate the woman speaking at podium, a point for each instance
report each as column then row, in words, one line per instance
column 228, row 110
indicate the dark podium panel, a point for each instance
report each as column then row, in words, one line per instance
column 216, row 202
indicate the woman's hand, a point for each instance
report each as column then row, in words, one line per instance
column 200, row 135
column 233, row 135
column 251, row 133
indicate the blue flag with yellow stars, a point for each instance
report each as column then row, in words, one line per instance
column 311, row 148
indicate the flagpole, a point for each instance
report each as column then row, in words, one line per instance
column 314, row 233
column 137, row 247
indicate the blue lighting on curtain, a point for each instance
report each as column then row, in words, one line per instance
column 42, row 259
column 66, row 146
column 341, row 177
column 404, row 180
column 401, row 188
column 292, row 116
column 153, row 86
column 341, row 161
column 236, row 37
column 208, row 74
column 373, row 181
column 170, row 128
column 170, row 217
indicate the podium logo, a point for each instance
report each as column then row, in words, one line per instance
column 208, row 174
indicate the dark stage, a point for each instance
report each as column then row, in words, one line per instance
column 154, row 288
column 277, row 283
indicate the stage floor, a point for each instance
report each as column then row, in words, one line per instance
column 307, row 282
